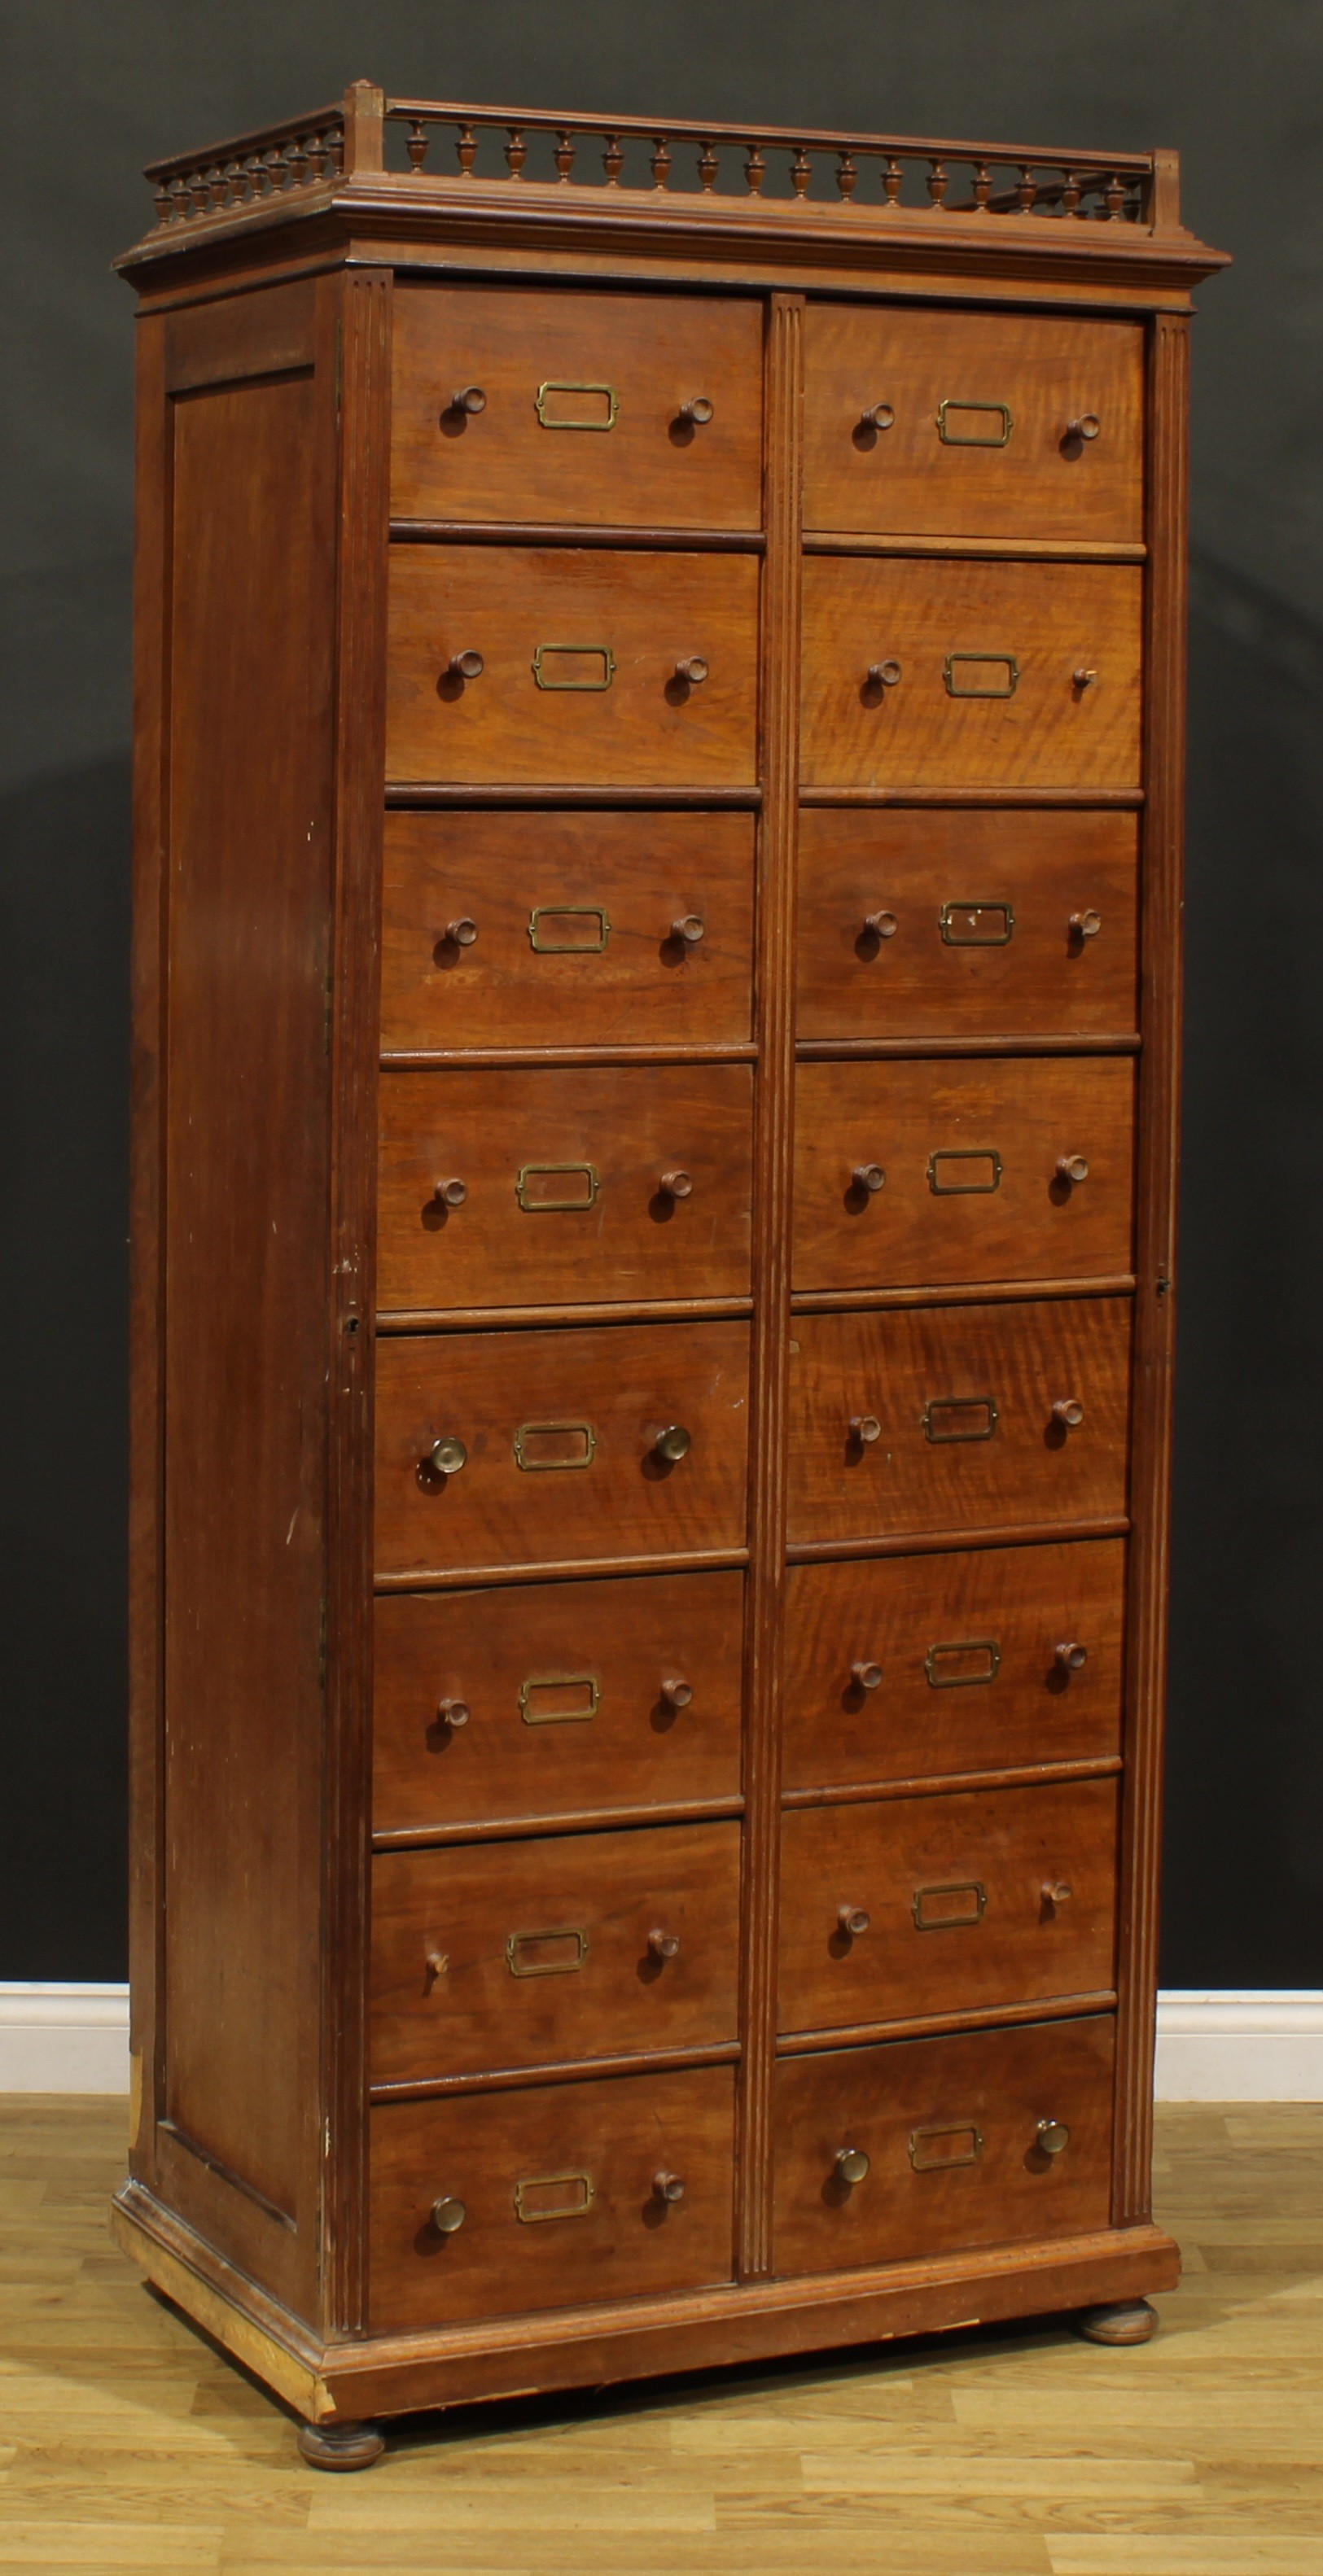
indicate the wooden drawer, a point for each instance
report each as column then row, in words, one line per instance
column 582, row 417
column 566, row 1173
column 987, row 655
column 966, row 1646
column 964, row 1399
column 534, row 1953
column 952, row 2130
column 560, row 2195
column 561, row 1431
column 996, row 1168
column 574, row 1695
column 972, row 1901
column 992, row 924
column 980, row 444
column 580, row 655
column 574, row 917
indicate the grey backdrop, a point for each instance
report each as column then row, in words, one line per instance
column 93, row 92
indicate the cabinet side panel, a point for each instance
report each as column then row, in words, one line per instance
column 246, row 1287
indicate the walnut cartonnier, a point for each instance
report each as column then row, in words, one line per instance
column 659, row 682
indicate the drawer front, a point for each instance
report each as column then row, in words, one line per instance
column 562, row 2190
column 582, row 658
column 911, row 1667
column 952, row 2129
column 534, row 1953
column 987, row 656
column 556, row 1699
column 963, row 924
column 980, row 443
column 1002, row 1168
column 972, row 1902
column 561, row 1432
column 584, row 417
column 964, row 1401
column 580, row 1185
column 574, row 930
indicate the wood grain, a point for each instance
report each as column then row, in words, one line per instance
column 503, row 463
column 1052, row 619
column 649, row 612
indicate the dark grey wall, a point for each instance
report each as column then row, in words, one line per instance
column 93, row 93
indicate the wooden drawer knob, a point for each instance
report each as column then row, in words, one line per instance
column 878, row 416
column 664, row 1945
column 1085, row 925
column 446, row 1456
column 451, row 1193
column 865, row 1428
column 696, row 413
column 1072, row 1167
column 1087, row 426
column 447, row 2215
column 868, row 1675
column 1082, row 678
column 883, row 675
column 852, row 1920
column 1055, row 1892
column 1072, row 1658
column 453, row 1712
column 882, row 925
column 693, row 671
column 689, row 929
column 851, row 2165
column 668, row 2187
column 470, row 399
column 676, row 1185
column 1053, row 2137
column 677, row 1693
column 674, row 1442
column 1068, row 1411
column 462, row 933
column 868, row 1176
column 465, row 666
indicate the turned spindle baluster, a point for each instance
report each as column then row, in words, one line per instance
column 707, row 168
column 274, row 162
column 416, row 147
column 337, row 150
column 893, row 180
column 982, row 188
column 847, row 177
column 755, row 170
column 1114, row 197
column 660, row 161
column 938, row 183
column 164, row 203
column 564, row 155
column 516, row 151
column 1026, row 190
column 801, row 171
column 316, row 155
column 298, row 161
column 257, row 178
column 1071, row 193
column 467, row 151
column 613, row 160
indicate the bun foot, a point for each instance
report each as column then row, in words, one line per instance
column 1133, row 2321
column 340, row 2446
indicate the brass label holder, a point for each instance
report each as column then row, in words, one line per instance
column 965, row 1156
column 941, row 1423
column 519, row 1942
column 926, row 2146
column 939, row 1680
column 960, row 662
column 957, row 1917
column 527, row 2211
column 569, row 385
column 952, row 436
column 548, row 653
column 588, row 946
column 962, row 924
column 530, row 1433
column 535, row 1716
column 562, row 1201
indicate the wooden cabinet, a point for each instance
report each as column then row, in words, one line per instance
column 656, row 993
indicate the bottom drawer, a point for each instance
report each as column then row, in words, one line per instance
column 972, row 2140
column 550, row 2196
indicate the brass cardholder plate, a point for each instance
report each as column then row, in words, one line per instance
column 952, row 435
column 554, row 930
column 551, row 1448
column 543, row 1699
column 544, row 2196
column 555, row 415
column 935, row 2150
column 958, row 663
column 959, row 1417
column 566, row 1948
column 976, row 925
column 552, row 666
column 937, row 1659
column 967, row 1180
column 557, row 1189
column 957, row 1907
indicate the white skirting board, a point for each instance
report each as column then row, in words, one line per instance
column 1255, row 2047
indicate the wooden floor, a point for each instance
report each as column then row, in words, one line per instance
column 126, row 2442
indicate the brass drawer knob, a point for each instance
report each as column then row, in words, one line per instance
column 677, row 1693
column 1072, row 1167
column 867, row 1674
column 1085, row 925
column 1082, row 678
column 689, row 929
column 664, row 1945
column 447, row 2215
column 692, row 670
column 865, row 1428
column 851, row 2165
column 1053, row 2137
column 446, row 1456
column 451, row 1193
column 465, row 666
column 883, row 675
column 883, row 925
column 674, row 1442
column 868, row 1176
column 696, row 413
column 1072, row 1658
column 878, row 416
column 852, row 1920
column 676, row 1185
column 462, row 933
column 1068, row 1411
column 668, row 2187
column 453, row 1712
column 470, row 399
column 1087, row 426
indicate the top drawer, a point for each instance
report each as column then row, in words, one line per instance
column 980, row 440
column 584, row 413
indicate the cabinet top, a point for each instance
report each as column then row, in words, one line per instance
column 404, row 177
